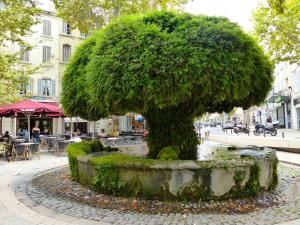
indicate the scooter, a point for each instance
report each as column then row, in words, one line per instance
column 240, row 128
column 259, row 129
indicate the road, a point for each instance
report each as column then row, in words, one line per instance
column 288, row 133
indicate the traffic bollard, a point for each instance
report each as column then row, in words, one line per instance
column 282, row 134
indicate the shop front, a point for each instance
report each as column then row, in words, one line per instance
column 45, row 124
column 76, row 125
column 297, row 107
column 282, row 111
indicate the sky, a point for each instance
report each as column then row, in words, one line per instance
column 236, row 10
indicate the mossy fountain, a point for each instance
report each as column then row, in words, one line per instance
column 169, row 67
column 228, row 174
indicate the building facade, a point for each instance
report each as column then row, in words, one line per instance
column 53, row 43
column 284, row 100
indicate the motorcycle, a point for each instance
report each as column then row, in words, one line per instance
column 275, row 124
column 259, row 129
column 240, row 128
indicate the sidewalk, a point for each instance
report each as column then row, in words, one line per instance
column 15, row 212
column 288, row 157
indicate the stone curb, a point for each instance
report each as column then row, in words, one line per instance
column 37, row 214
column 60, row 219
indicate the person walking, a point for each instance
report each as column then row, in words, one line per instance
column 36, row 133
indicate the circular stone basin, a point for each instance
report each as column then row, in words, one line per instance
column 221, row 172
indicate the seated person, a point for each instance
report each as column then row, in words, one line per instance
column 6, row 134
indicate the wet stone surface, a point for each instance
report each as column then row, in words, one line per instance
column 55, row 191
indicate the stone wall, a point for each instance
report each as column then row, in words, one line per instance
column 184, row 180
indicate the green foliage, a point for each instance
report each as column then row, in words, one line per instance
column 169, row 153
column 16, row 19
column 239, row 176
column 172, row 67
column 252, row 186
column 93, row 14
column 74, row 150
column 81, row 149
column 277, row 27
column 75, row 97
column 275, row 174
column 120, row 159
column 96, row 146
column 108, row 180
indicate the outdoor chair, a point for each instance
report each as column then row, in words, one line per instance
column 43, row 141
column 34, row 149
column 3, row 149
column 60, row 146
column 19, row 150
column 50, row 144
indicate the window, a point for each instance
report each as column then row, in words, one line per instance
column 46, row 87
column 66, row 52
column 66, row 28
column 47, row 27
column 24, row 53
column 27, row 88
column 46, row 54
column 46, row 83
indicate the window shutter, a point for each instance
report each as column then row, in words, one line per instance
column 29, row 86
column 40, row 87
column 49, row 53
column 53, row 87
column 44, row 55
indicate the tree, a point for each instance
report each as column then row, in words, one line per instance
column 16, row 18
column 86, row 15
column 171, row 67
column 277, row 26
column 75, row 97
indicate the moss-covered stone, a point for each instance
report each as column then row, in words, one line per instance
column 187, row 180
column 169, row 153
column 252, row 186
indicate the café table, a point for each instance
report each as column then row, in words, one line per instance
column 112, row 140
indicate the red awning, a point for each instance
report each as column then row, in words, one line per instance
column 29, row 106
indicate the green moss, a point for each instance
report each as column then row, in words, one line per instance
column 222, row 154
column 274, row 182
column 252, row 186
column 239, row 176
column 169, row 153
column 198, row 188
column 74, row 150
column 81, row 149
column 108, row 180
column 120, row 159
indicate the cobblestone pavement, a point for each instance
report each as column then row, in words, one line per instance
column 17, row 208
column 12, row 211
column 288, row 209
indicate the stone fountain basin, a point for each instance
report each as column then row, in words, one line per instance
column 228, row 174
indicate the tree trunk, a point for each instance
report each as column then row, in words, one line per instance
column 172, row 126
